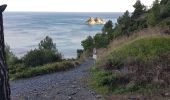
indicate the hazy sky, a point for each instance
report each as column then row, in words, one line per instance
column 72, row 5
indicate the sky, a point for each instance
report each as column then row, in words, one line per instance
column 72, row 5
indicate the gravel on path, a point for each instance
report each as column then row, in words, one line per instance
column 57, row 86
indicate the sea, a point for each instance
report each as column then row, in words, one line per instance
column 24, row 30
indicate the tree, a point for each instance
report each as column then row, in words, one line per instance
column 123, row 25
column 88, row 44
column 165, row 9
column 139, row 9
column 79, row 53
column 47, row 44
column 154, row 13
column 101, row 40
column 4, row 78
column 107, row 27
column 164, row 2
column 46, row 53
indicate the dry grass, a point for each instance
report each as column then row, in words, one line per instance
column 103, row 52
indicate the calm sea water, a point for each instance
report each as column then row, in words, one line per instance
column 24, row 30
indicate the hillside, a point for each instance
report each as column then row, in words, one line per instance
column 133, row 55
column 139, row 66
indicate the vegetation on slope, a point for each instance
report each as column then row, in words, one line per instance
column 137, row 66
column 20, row 71
column 43, row 60
column 128, row 24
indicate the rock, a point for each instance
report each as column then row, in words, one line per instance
column 99, row 21
column 98, row 96
column 72, row 93
column 58, row 92
column 74, row 82
column 92, row 21
column 93, row 93
column 73, row 86
column 167, row 94
column 69, row 98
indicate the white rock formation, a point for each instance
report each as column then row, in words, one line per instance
column 92, row 21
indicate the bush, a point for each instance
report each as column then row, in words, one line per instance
column 16, row 68
column 88, row 44
column 46, row 53
column 165, row 9
column 101, row 40
column 39, row 57
column 40, row 70
column 154, row 13
column 11, row 59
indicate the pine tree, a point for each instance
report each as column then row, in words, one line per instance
column 154, row 13
column 139, row 9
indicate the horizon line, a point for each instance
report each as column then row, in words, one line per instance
column 62, row 12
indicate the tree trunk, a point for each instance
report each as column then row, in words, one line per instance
column 4, row 79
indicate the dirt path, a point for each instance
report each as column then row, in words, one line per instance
column 69, row 85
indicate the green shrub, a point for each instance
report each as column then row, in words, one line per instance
column 154, row 14
column 165, row 9
column 107, row 28
column 101, row 40
column 16, row 68
column 11, row 59
column 39, row 57
column 40, row 70
column 107, row 81
column 46, row 53
column 88, row 44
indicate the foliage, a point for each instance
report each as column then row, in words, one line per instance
column 125, row 26
column 107, row 28
column 139, row 9
column 39, row 57
column 46, row 59
column 132, row 66
column 47, row 44
column 144, row 55
column 26, row 72
column 164, row 2
column 100, row 40
column 153, row 15
column 145, row 49
column 88, row 43
column 79, row 52
column 46, row 53
column 10, row 57
column 122, row 26
column 165, row 9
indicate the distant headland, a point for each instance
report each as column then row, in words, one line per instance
column 94, row 21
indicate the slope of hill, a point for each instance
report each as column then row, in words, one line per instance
column 137, row 66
